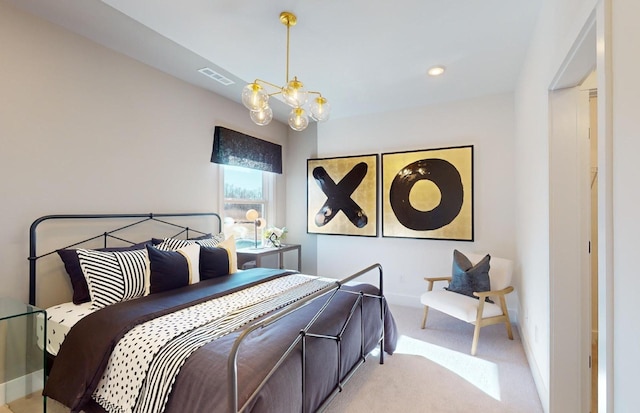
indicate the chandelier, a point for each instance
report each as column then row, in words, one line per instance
column 255, row 96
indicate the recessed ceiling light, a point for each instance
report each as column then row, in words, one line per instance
column 435, row 70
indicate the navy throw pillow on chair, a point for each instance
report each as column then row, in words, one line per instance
column 467, row 278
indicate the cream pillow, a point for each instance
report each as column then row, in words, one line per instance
column 230, row 245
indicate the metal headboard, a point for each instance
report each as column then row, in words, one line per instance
column 107, row 235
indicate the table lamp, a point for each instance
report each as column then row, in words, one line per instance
column 253, row 216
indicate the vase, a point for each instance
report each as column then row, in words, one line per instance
column 274, row 241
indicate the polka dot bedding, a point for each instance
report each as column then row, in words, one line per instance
column 143, row 366
column 60, row 319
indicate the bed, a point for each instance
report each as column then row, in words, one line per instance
column 258, row 340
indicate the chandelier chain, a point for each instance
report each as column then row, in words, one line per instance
column 287, row 71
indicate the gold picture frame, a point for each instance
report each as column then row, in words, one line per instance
column 342, row 195
column 428, row 194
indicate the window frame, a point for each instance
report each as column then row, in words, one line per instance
column 268, row 196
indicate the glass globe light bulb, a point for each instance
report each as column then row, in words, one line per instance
column 294, row 94
column 298, row 119
column 262, row 117
column 320, row 109
column 254, row 97
column 252, row 215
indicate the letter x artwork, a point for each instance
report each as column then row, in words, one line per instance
column 428, row 194
column 342, row 195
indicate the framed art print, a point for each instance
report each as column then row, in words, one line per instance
column 342, row 195
column 428, row 194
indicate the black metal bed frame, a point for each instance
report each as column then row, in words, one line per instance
column 332, row 290
column 33, row 257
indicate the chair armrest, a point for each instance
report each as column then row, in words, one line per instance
column 484, row 294
column 431, row 280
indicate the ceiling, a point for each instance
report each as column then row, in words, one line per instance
column 365, row 57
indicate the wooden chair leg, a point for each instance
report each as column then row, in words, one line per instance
column 476, row 336
column 509, row 332
column 479, row 324
column 507, row 321
column 424, row 317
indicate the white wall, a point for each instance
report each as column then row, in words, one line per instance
column 84, row 129
column 626, row 198
column 301, row 146
column 559, row 26
column 486, row 123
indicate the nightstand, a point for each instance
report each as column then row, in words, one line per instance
column 256, row 254
column 22, row 360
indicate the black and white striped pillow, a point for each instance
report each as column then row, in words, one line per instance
column 173, row 244
column 211, row 242
column 114, row 276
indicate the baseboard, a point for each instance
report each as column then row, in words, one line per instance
column 21, row 387
column 403, row 300
column 543, row 392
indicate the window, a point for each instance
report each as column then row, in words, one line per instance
column 245, row 189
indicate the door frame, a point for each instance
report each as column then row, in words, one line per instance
column 592, row 49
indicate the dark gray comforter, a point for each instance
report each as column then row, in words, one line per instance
column 201, row 384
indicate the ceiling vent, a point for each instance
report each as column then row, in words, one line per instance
column 216, row 76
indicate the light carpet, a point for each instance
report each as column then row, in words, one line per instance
column 431, row 371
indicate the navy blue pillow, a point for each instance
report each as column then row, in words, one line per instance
column 214, row 262
column 169, row 270
column 467, row 278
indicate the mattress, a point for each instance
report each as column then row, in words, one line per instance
column 60, row 319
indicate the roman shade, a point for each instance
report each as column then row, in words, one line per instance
column 234, row 148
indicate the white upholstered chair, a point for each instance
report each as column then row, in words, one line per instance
column 469, row 309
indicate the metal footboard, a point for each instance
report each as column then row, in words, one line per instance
column 304, row 335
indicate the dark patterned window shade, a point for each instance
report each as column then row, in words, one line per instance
column 235, row 148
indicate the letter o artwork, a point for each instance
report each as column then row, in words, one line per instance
column 445, row 176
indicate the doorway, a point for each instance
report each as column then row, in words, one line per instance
column 590, row 51
column 569, row 258
column 573, row 229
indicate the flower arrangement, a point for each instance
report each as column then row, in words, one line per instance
column 275, row 235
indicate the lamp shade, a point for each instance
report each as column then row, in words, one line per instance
column 252, row 215
column 262, row 117
column 254, row 97
column 294, row 94
column 320, row 109
column 298, row 119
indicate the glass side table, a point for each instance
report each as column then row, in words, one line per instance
column 22, row 360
